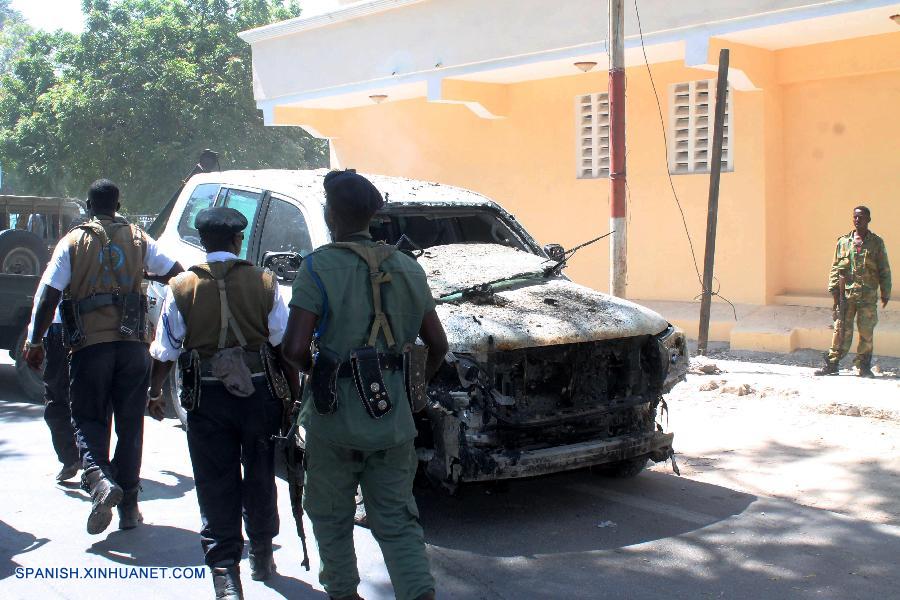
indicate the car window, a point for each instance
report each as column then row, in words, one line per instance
column 247, row 204
column 463, row 226
column 202, row 197
column 285, row 229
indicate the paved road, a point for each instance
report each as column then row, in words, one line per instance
column 567, row 536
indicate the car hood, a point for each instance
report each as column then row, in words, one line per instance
column 538, row 312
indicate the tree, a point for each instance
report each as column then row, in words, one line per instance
column 13, row 31
column 135, row 97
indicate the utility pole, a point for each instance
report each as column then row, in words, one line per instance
column 712, row 215
column 618, row 245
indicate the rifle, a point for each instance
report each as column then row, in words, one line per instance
column 840, row 312
column 294, row 465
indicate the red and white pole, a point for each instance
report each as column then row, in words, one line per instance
column 618, row 246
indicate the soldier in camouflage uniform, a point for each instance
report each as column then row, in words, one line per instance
column 862, row 261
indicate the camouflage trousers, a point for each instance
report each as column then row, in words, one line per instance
column 866, row 315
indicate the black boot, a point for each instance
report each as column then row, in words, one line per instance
column 227, row 583
column 830, row 368
column 129, row 515
column 105, row 494
column 262, row 563
column 865, row 367
column 68, row 471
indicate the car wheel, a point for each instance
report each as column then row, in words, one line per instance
column 172, row 391
column 22, row 253
column 31, row 381
column 625, row 469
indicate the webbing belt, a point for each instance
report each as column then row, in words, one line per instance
column 374, row 256
column 226, row 319
column 91, row 303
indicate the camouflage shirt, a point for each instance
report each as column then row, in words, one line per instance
column 865, row 267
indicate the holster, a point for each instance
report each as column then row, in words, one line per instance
column 134, row 314
column 278, row 384
column 415, row 358
column 370, row 382
column 323, row 381
column 73, row 333
column 189, row 364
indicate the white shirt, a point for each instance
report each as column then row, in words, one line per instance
column 57, row 318
column 171, row 329
column 58, row 273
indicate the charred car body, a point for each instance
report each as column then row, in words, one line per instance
column 543, row 375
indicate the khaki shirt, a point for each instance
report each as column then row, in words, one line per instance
column 406, row 300
column 864, row 270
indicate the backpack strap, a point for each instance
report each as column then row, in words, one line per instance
column 226, row 319
column 374, row 256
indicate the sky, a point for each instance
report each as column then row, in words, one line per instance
column 66, row 14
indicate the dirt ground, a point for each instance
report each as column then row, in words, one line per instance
column 764, row 424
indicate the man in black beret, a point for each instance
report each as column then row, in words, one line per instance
column 219, row 320
column 364, row 304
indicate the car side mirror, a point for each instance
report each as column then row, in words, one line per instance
column 283, row 264
column 555, row 252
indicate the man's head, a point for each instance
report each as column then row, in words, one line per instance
column 103, row 198
column 861, row 217
column 221, row 229
column 350, row 201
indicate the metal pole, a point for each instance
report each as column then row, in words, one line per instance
column 712, row 215
column 618, row 247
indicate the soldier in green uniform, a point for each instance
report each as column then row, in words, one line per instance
column 363, row 305
column 861, row 264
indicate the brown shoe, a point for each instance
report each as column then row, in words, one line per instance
column 830, row 368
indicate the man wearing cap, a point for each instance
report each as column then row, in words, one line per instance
column 364, row 304
column 97, row 270
column 217, row 317
column 860, row 267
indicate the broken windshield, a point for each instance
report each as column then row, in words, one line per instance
column 428, row 226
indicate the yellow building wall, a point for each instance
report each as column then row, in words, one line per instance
column 806, row 151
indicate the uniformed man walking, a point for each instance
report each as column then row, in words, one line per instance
column 99, row 267
column 57, row 413
column 859, row 268
column 217, row 320
column 363, row 304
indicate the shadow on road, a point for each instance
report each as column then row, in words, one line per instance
column 156, row 490
column 12, row 543
column 16, row 412
column 571, row 512
column 151, row 545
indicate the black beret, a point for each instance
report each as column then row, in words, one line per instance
column 219, row 219
column 351, row 191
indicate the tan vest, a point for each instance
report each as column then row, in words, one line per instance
column 96, row 270
column 251, row 297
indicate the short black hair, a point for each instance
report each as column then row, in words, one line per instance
column 104, row 196
column 864, row 209
column 353, row 199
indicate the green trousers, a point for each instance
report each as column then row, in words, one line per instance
column 866, row 316
column 386, row 478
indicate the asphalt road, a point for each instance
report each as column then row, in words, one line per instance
column 574, row 535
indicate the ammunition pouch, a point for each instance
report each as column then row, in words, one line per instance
column 323, row 381
column 370, row 382
column 229, row 367
column 132, row 306
column 415, row 358
column 278, row 384
column 189, row 365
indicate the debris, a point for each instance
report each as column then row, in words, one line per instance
column 702, row 366
column 606, row 524
column 738, row 390
column 709, row 386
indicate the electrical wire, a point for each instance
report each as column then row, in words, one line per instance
column 662, row 125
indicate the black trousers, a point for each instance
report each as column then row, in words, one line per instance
column 57, row 412
column 106, row 380
column 225, row 433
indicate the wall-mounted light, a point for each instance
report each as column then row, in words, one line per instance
column 585, row 65
column 378, row 98
column 895, row 19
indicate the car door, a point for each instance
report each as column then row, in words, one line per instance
column 285, row 228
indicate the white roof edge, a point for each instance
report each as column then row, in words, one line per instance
column 355, row 11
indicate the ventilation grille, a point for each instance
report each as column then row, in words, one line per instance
column 692, row 113
column 592, row 131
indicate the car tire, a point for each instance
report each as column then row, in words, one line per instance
column 172, row 392
column 31, row 381
column 22, row 253
column 625, row 469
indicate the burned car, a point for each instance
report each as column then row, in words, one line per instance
column 543, row 375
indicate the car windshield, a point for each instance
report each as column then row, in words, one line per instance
column 428, row 226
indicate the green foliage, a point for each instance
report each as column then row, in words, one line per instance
column 13, row 31
column 135, row 97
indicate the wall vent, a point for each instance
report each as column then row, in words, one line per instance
column 691, row 114
column 592, row 136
